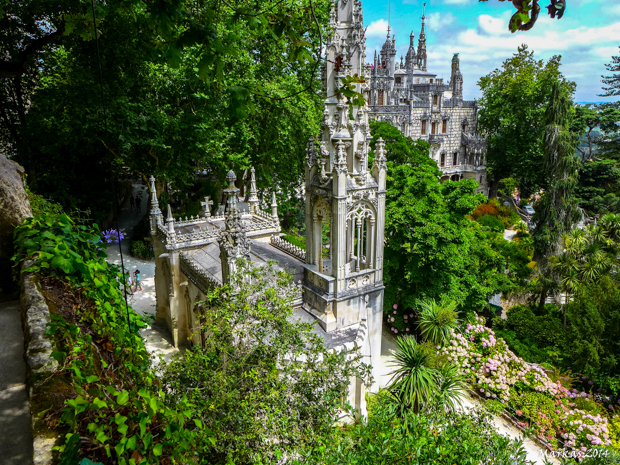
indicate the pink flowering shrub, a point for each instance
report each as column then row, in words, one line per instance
column 497, row 373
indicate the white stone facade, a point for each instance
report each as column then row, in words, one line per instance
column 423, row 107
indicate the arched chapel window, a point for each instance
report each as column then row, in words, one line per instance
column 423, row 127
column 442, row 163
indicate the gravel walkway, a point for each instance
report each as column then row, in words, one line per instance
column 157, row 339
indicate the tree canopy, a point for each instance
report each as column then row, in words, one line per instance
column 512, row 107
column 187, row 87
column 432, row 249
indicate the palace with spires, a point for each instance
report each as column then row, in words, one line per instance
column 415, row 101
column 340, row 283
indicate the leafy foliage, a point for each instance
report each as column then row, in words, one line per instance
column 437, row 320
column 512, row 107
column 432, row 250
column 263, row 383
column 439, row 438
column 492, row 223
column 186, row 87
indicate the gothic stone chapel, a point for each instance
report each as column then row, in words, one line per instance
column 342, row 293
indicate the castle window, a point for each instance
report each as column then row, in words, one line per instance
column 442, row 162
column 434, row 128
column 435, row 99
column 379, row 97
column 423, row 127
column 444, row 126
column 455, row 159
column 464, row 127
column 398, row 80
column 431, row 81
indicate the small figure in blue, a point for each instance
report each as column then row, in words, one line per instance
column 136, row 277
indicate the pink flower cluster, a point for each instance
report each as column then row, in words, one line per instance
column 493, row 369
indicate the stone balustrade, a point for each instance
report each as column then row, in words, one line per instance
column 198, row 275
column 288, row 248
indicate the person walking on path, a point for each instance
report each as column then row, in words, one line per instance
column 136, row 275
column 138, row 202
column 132, row 202
column 128, row 283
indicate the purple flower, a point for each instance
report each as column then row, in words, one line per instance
column 394, row 312
column 112, row 236
column 590, row 383
column 395, row 307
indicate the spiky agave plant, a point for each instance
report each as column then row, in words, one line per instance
column 436, row 320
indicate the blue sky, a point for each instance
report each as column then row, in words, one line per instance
column 586, row 37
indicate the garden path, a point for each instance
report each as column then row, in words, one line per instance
column 509, row 234
column 15, row 432
column 156, row 338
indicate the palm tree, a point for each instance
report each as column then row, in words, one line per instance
column 451, row 387
column 418, row 384
column 436, row 320
column 414, row 381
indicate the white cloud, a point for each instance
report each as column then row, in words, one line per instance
column 493, row 26
column 377, row 28
column 487, row 43
column 437, row 21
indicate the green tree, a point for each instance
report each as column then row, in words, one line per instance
column 556, row 211
column 612, row 81
column 263, row 383
column 196, row 86
column 432, row 250
column 512, row 108
column 598, row 187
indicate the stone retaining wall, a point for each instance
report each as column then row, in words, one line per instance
column 39, row 364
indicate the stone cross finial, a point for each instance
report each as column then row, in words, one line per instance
column 207, row 206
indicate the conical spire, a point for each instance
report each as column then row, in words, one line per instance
column 170, row 221
column 422, row 43
column 253, row 200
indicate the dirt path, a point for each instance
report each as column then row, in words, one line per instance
column 156, row 338
column 15, row 432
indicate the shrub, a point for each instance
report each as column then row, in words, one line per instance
column 139, row 249
column 436, row 438
column 296, row 240
column 545, row 412
column 493, row 223
column 544, row 328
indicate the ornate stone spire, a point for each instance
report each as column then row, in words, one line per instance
column 253, row 200
column 155, row 213
column 422, row 44
column 170, row 225
column 233, row 240
column 410, row 58
column 456, row 79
